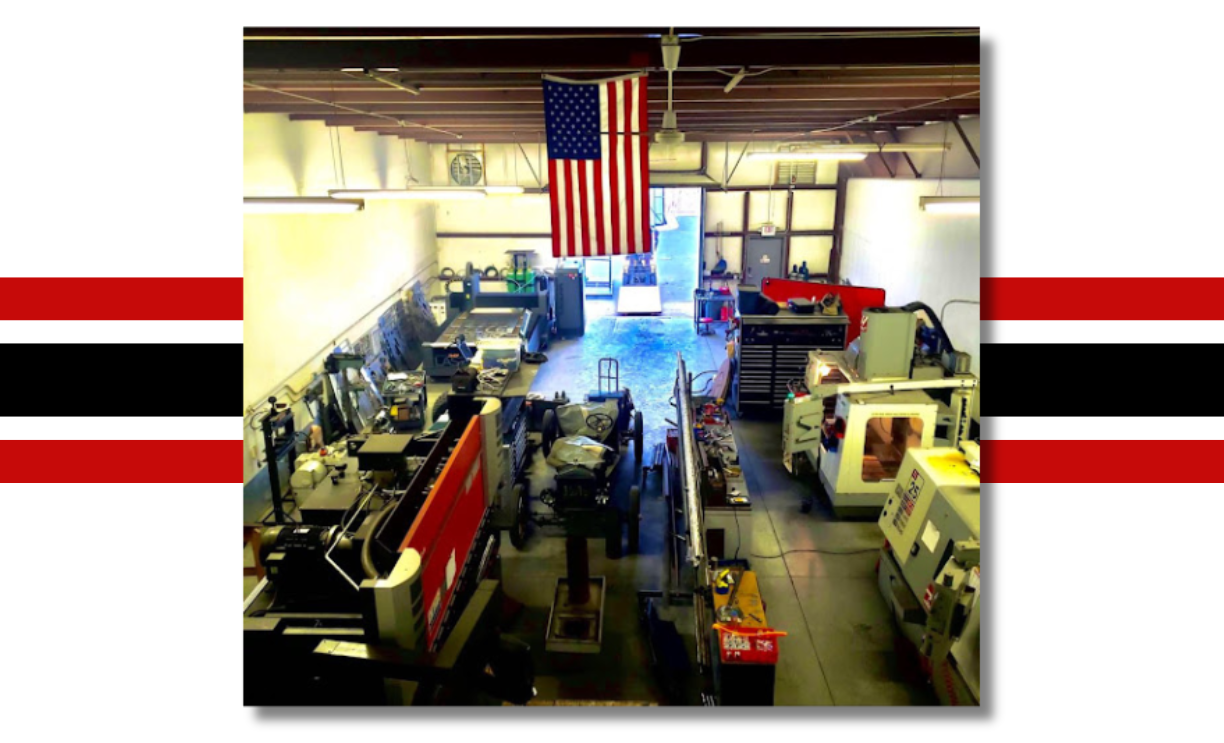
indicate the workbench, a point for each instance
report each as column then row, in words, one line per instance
column 745, row 647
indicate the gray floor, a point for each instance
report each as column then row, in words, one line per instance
column 841, row 647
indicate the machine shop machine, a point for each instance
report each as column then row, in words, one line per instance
column 930, row 572
column 388, row 595
column 499, row 334
column 710, row 596
column 403, row 396
column 899, row 386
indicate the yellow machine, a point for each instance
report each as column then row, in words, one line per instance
column 930, row 572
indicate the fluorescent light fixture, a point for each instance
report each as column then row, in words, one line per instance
column 503, row 190
column 426, row 193
column 951, row 204
column 806, row 156
column 298, row 205
column 845, row 151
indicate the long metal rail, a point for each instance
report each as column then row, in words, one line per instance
column 688, row 462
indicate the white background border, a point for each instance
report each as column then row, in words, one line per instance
column 122, row 159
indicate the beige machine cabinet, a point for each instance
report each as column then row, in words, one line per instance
column 932, row 522
column 879, row 428
column 885, row 346
column 924, row 471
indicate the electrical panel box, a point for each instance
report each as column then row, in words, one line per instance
column 917, row 529
column 437, row 307
column 384, row 451
column 885, row 346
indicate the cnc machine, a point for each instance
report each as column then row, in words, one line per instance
column 899, row 386
column 930, row 571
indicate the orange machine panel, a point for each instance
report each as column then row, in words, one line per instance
column 448, row 524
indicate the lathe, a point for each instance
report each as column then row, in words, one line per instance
column 930, row 566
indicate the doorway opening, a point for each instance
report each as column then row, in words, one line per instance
column 662, row 282
column 677, row 248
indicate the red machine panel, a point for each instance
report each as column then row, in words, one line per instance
column 448, row 525
column 758, row 645
column 854, row 299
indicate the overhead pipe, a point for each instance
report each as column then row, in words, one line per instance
column 392, row 83
column 398, row 122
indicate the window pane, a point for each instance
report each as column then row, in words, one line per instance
column 885, row 444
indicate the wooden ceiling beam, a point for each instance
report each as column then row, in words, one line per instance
column 773, row 108
column 711, row 86
column 779, row 47
column 962, row 105
column 794, row 134
column 681, row 94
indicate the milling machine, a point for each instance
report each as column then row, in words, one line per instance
column 899, row 386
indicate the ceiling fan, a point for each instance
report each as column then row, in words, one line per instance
column 670, row 135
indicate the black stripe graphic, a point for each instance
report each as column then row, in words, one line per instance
column 1103, row 379
column 81, row 380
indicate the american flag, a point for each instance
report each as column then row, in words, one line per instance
column 598, row 166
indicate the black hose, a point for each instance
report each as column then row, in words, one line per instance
column 367, row 559
column 939, row 328
column 490, row 272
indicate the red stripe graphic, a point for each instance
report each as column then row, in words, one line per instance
column 1102, row 461
column 552, row 202
column 629, row 149
column 120, row 298
column 614, row 171
column 644, row 165
column 601, row 240
column 1102, row 299
column 124, row 461
column 583, row 169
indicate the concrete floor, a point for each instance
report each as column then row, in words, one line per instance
column 842, row 648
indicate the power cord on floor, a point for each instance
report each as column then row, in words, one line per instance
column 823, row 552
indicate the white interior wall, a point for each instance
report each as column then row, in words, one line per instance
column 916, row 256
column 529, row 214
column 312, row 280
column 957, row 163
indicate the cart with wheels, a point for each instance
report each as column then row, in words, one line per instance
column 593, row 435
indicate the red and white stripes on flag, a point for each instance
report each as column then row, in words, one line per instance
column 600, row 197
